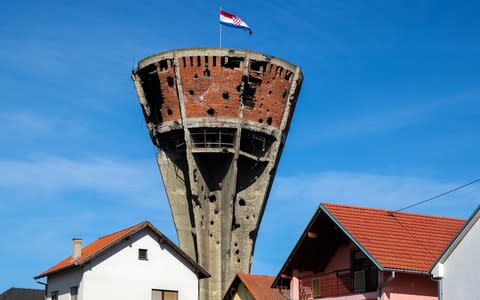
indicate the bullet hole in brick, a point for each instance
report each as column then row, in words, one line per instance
column 237, row 251
column 169, row 112
column 226, row 95
column 191, row 92
column 239, row 87
column 206, row 72
column 241, row 202
column 211, row 222
column 261, row 105
column 269, row 92
column 269, row 121
column 285, row 94
column 268, row 110
column 212, row 198
column 260, row 120
column 211, row 111
column 195, row 76
column 170, row 81
column 163, row 65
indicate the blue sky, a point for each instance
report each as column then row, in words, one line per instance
column 389, row 114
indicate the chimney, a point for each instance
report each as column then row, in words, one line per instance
column 76, row 248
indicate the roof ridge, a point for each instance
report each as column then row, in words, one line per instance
column 392, row 212
column 124, row 229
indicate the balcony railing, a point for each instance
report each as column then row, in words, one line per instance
column 338, row 283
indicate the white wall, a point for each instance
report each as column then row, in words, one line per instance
column 62, row 282
column 460, row 270
column 119, row 274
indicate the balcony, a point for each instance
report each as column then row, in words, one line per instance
column 338, row 283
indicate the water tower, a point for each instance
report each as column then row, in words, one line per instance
column 220, row 118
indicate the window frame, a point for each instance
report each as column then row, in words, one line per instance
column 74, row 292
column 163, row 292
column 54, row 295
column 142, row 251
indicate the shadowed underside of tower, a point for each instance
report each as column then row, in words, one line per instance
column 220, row 118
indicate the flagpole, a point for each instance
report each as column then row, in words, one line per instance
column 220, row 30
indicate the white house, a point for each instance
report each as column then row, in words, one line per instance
column 456, row 269
column 138, row 262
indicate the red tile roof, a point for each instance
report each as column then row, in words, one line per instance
column 404, row 241
column 95, row 248
column 259, row 286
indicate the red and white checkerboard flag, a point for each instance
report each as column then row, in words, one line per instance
column 231, row 20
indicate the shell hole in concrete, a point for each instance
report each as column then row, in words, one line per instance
column 218, row 242
column 212, row 198
column 269, row 121
column 170, row 81
column 210, row 235
column 238, row 260
column 169, row 111
column 226, row 95
column 211, row 222
column 211, row 111
column 236, row 245
column 216, row 211
column 237, row 251
column 191, row 92
column 247, row 217
column 235, row 226
column 241, row 202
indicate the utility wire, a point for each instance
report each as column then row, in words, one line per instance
column 438, row 196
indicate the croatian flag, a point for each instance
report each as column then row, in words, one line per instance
column 231, row 20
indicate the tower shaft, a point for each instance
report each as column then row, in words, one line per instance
column 220, row 118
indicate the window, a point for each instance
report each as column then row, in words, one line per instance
column 74, row 293
column 164, row 295
column 143, row 254
column 54, row 295
column 316, row 289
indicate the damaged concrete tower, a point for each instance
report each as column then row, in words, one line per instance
column 220, row 118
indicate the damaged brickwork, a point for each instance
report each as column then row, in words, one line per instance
column 220, row 118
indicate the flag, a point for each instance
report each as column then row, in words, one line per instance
column 231, row 20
